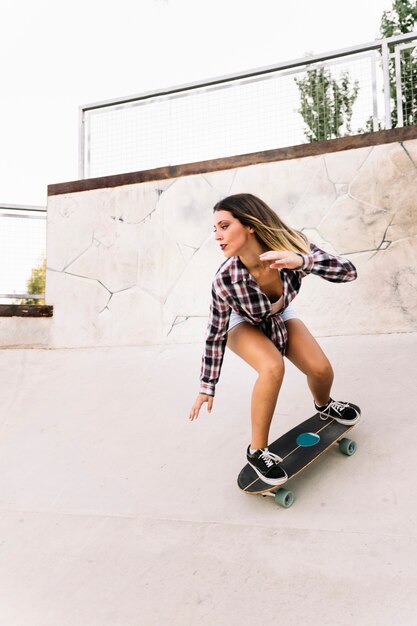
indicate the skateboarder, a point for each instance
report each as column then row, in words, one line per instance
column 251, row 312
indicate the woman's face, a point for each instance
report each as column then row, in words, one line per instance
column 232, row 237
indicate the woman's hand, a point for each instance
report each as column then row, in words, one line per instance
column 282, row 259
column 201, row 399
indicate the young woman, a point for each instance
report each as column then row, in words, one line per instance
column 251, row 312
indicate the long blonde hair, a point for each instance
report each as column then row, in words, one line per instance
column 269, row 229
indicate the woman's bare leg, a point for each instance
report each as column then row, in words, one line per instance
column 259, row 352
column 306, row 354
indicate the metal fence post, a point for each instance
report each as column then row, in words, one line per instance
column 397, row 57
column 387, row 88
column 81, row 143
column 375, row 122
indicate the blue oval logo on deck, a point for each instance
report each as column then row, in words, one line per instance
column 305, row 440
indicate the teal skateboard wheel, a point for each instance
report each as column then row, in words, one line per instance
column 285, row 498
column 347, row 446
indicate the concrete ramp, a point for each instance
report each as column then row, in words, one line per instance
column 117, row 511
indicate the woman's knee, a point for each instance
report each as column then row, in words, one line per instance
column 321, row 370
column 274, row 369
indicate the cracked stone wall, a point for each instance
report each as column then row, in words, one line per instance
column 133, row 265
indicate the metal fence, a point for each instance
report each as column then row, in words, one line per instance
column 359, row 89
column 22, row 254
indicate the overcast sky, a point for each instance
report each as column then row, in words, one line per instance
column 57, row 56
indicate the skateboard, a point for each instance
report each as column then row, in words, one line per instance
column 298, row 448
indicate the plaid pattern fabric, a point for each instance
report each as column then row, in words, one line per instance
column 233, row 288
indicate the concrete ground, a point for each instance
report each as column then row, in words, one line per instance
column 115, row 510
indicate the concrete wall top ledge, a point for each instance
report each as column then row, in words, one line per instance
column 26, row 310
column 202, row 167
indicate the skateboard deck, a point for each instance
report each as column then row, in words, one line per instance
column 298, row 448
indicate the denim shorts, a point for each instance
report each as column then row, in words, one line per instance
column 288, row 314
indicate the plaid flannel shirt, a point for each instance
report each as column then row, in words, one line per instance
column 234, row 288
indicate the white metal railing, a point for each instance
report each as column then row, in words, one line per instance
column 253, row 111
column 22, row 251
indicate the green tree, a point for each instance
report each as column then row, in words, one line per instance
column 401, row 19
column 326, row 104
column 36, row 283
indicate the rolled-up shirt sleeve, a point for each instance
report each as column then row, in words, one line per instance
column 336, row 269
column 215, row 345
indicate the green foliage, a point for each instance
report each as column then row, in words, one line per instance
column 36, row 283
column 326, row 104
column 402, row 18
column 369, row 126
